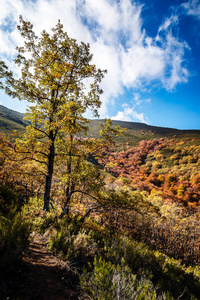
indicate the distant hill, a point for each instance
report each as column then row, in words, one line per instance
column 12, row 120
column 140, row 131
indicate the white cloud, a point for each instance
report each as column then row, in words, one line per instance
column 118, row 41
column 169, row 22
column 112, row 21
column 138, row 101
column 129, row 114
column 175, row 71
column 142, row 62
column 192, row 8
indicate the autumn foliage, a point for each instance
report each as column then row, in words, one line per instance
column 167, row 166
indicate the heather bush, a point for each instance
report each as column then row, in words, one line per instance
column 123, row 267
column 41, row 221
column 14, row 234
column 8, row 201
column 44, row 222
column 14, row 229
column 175, row 232
column 78, row 246
column 167, row 273
column 109, row 281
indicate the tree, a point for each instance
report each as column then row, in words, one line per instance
column 59, row 79
column 18, row 172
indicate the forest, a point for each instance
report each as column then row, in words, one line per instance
column 108, row 217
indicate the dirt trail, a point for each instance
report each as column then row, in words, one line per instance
column 43, row 276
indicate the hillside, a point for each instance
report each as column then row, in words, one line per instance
column 130, row 227
column 140, row 131
column 11, row 120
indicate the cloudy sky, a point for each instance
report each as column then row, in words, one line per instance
column 150, row 48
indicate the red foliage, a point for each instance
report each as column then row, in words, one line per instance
column 131, row 164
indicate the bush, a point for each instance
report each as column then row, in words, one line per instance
column 8, row 201
column 79, row 247
column 14, row 229
column 167, row 273
column 113, row 275
column 14, row 234
column 44, row 222
column 108, row 281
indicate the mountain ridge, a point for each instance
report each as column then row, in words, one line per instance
column 12, row 120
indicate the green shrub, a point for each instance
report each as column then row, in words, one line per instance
column 80, row 247
column 43, row 223
column 79, row 242
column 108, row 282
column 14, row 234
column 8, row 201
column 14, row 229
column 169, row 274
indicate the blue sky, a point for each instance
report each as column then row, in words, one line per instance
column 151, row 49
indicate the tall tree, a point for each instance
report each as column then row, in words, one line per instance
column 59, row 79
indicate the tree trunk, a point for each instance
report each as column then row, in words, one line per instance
column 49, row 175
column 69, row 193
column 68, row 198
column 70, row 185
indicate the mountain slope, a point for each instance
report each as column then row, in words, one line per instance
column 140, row 131
column 11, row 120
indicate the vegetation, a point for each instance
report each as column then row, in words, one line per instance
column 169, row 167
column 135, row 132
column 116, row 266
column 14, row 233
column 53, row 78
column 124, row 219
column 11, row 120
column 14, row 229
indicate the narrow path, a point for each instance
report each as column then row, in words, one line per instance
column 44, row 277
